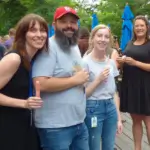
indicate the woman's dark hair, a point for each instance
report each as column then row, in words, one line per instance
column 140, row 17
column 22, row 28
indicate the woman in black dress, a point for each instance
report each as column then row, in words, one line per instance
column 135, row 88
column 17, row 131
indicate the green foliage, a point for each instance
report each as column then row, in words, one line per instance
column 11, row 11
column 9, row 14
column 116, row 7
column 108, row 11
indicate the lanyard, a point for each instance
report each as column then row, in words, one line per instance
column 31, row 91
column 30, row 81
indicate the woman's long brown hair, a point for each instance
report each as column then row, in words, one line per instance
column 20, row 37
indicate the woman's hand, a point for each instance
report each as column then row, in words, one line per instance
column 103, row 75
column 130, row 61
column 35, row 101
column 121, row 60
column 119, row 127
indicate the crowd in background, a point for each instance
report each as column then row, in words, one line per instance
column 65, row 92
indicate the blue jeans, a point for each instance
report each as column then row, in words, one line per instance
column 68, row 138
column 105, row 131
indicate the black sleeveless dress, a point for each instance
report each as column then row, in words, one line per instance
column 16, row 131
column 135, row 86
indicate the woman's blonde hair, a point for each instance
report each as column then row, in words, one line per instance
column 93, row 32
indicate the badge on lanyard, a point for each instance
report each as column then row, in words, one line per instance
column 94, row 122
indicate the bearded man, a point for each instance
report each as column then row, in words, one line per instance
column 60, row 121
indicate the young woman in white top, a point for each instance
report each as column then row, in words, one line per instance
column 103, row 115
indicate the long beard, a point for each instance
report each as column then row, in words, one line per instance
column 66, row 42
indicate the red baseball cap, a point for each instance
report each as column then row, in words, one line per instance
column 61, row 11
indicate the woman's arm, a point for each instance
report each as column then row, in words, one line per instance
column 114, row 56
column 8, row 66
column 91, row 87
column 12, row 102
column 97, row 81
column 143, row 66
column 117, row 103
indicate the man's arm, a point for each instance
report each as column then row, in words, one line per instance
column 52, row 84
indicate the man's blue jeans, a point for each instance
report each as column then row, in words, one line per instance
column 68, row 138
column 105, row 132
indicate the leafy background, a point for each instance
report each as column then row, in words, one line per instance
column 108, row 11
